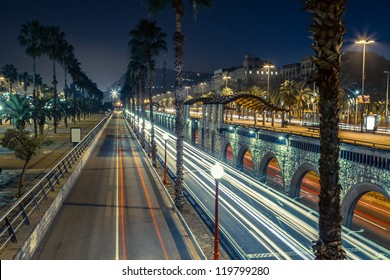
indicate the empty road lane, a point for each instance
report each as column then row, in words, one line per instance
column 117, row 209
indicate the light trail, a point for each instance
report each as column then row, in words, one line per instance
column 277, row 223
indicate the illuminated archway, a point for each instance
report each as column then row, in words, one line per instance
column 310, row 190
column 366, row 209
column 247, row 163
column 371, row 217
column 228, row 155
column 273, row 175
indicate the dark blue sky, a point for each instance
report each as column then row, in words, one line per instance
column 220, row 37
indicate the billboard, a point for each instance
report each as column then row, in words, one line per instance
column 363, row 99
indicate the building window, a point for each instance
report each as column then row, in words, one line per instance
column 250, row 72
column 262, row 72
column 258, row 72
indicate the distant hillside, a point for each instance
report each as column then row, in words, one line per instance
column 189, row 79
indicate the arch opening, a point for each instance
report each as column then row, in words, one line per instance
column 309, row 189
column 371, row 217
column 273, row 175
column 247, row 163
column 228, row 156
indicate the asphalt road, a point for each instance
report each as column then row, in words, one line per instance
column 116, row 210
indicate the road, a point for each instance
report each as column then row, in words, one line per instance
column 116, row 210
column 259, row 222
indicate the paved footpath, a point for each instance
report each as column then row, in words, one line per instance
column 41, row 163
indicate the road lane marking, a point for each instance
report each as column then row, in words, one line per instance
column 122, row 186
column 117, row 198
column 150, row 207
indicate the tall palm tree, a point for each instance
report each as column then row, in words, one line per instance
column 66, row 60
column 31, row 37
column 328, row 30
column 148, row 41
column 177, row 5
column 54, row 45
column 304, row 93
column 10, row 74
column 74, row 70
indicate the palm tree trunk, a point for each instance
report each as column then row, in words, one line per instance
column 179, row 104
column 328, row 30
column 55, row 97
column 34, row 95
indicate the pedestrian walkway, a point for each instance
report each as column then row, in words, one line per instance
column 369, row 139
column 11, row 167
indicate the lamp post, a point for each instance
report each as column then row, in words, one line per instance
column 217, row 173
column 165, row 138
column 356, row 105
column 364, row 42
column 226, row 78
column 268, row 66
column 387, row 97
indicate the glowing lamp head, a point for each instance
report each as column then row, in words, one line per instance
column 217, row 171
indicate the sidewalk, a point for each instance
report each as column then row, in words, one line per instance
column 358, row 138
column 40, row 164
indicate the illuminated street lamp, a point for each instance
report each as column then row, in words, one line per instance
column 226, row 78
column 165, row 138
column 363, row 42
column 356, row 105
column 217, row 173
column 268, row 66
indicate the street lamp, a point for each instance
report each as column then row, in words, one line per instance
column 387, row 96
column 226, row 78
column 165, row 138
column 268, row 66
column 356, row 105
column 364, row 42
column 217, row 173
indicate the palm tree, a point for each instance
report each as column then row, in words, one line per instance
column 328, row 30
column 304, row 94
column 31, row 38
column 148, row 41
column 288, row 91
column 41, row 111
column 25, row 81
column 54, row 45
column 177, row 5
column 74, row 70
column 67, row 60
column 17, row 109
column 10, row 74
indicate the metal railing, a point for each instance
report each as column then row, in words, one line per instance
column 20, row 212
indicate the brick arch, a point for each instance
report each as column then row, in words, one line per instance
column 224, row 147
column 352, row 197
column 264, row 165
column 298, row 176
column 240, row 157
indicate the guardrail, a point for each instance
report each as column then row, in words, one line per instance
column 20, row 212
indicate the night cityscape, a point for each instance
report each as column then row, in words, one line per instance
column 195, row 130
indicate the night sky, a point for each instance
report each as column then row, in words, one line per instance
column 218, row 38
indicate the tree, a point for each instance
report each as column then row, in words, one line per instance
column 328, row 30
column 177, row 5
column 10, row 74
column 288, row 91
column 31, row 38
column 25, row 147
column 18, row 109
column 54, row 45
column 148, row 41
column 25, row 81
column 67, row 60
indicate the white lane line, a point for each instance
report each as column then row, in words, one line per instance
column 117, row 197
